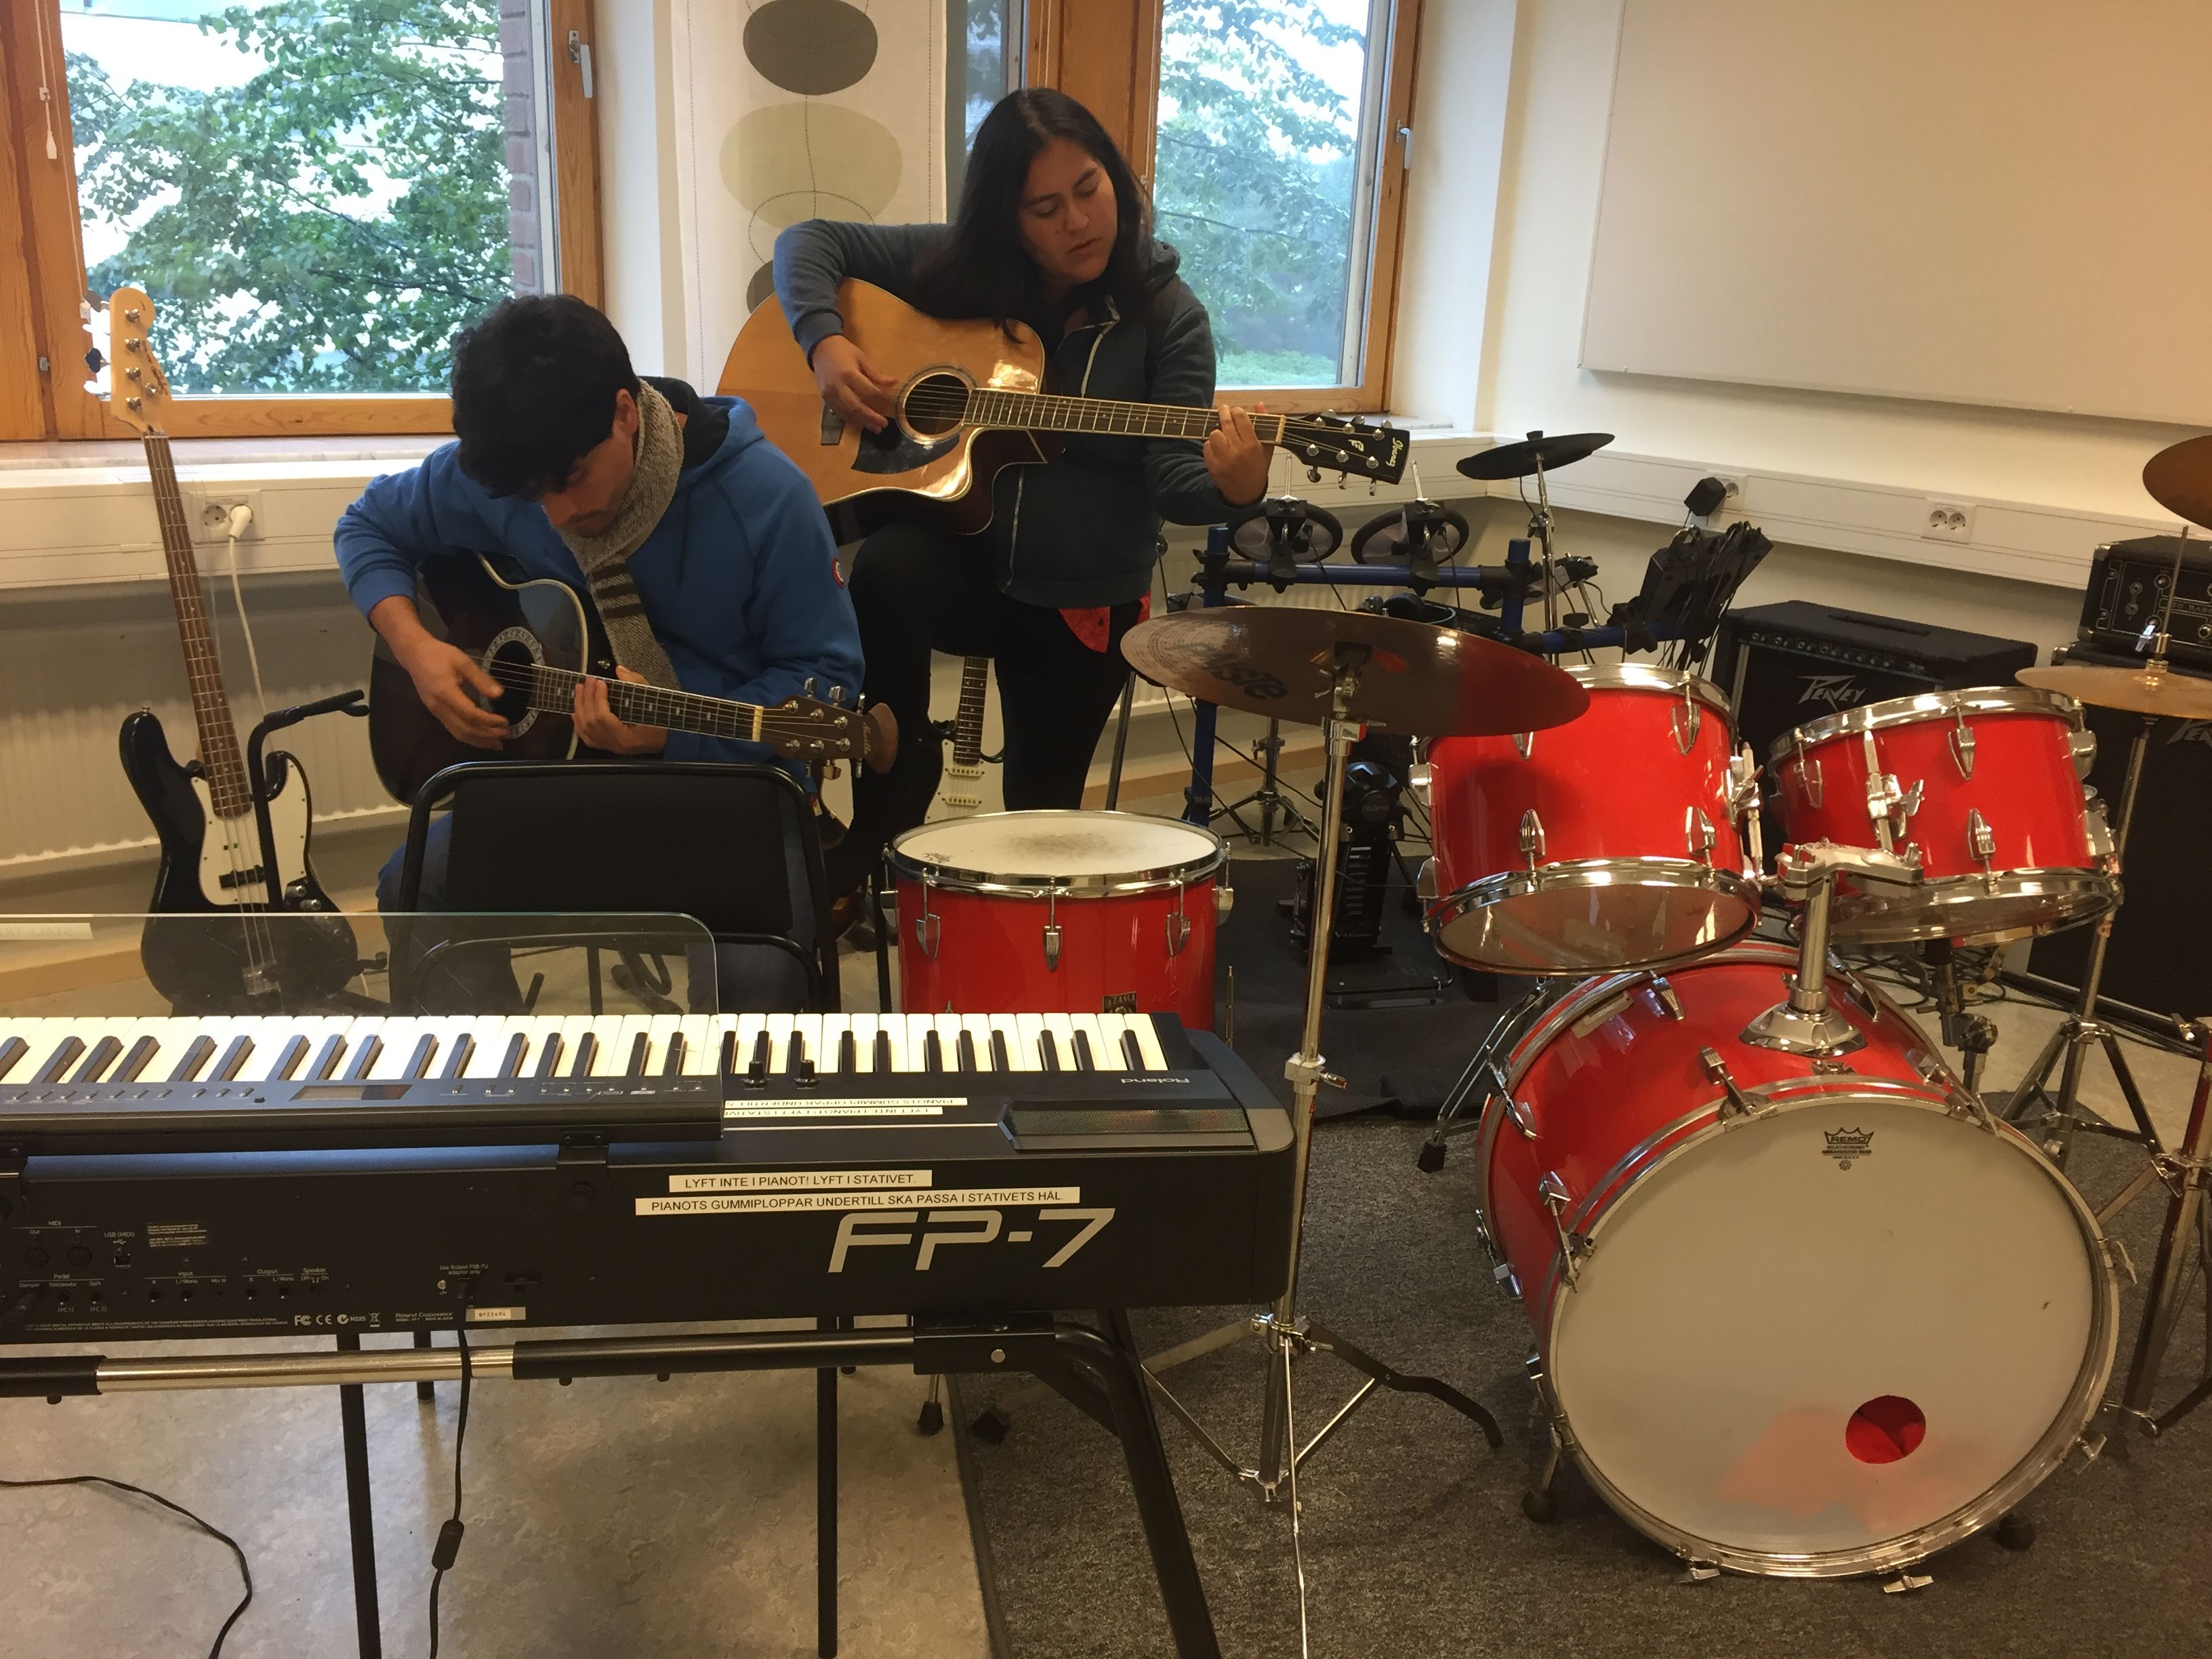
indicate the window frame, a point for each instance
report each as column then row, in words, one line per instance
column 42, row 258
column 1107, row 53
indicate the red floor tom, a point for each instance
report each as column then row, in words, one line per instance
column 1058, row 913
column 1797, row 1318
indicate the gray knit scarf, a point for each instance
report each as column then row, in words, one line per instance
column 605, row 556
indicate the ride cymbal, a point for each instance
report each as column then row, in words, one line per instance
column 2138, row 690
column 1275, row 661
column 2179, row 479
column 1520, row 460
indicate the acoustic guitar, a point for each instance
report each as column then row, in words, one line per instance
column 971, row 401
column 539, row 639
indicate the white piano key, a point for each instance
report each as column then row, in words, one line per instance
column 915, row 1052
column 106, row 1041
column 946, row 1027
column 778, row 1027
column 223, row 1030
column 1104, row 1056
column 978, row 1028
column 835, row 1028
column 1021, row 1045
column 807, row 1027
column 450, row 1030
column 863, row 1028
column 573, row 1028
column 1148, row 1043
column 750, row 1028
column 395, row 1060
column 703, row 1043
column 616, row 1037
column 659, row 1031
column 1062, row 1029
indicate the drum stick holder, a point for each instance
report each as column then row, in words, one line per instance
column 1803, row 1022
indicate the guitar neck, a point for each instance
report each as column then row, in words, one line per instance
column 219, row 755
column 553, row 691
column 968, row 722
column 1036, row 411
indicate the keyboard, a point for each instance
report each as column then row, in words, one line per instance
column 243, row 1083
column 220, row 1177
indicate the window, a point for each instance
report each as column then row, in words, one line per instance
column 317, row 197
column 1271, row 133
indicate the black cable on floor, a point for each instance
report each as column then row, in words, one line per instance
column 449, row 1535
column 245, row 1573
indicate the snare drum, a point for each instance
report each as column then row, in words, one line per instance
column 1793, row 1320
column 1058, row 913
column 1606, row 842
column 1982, row 786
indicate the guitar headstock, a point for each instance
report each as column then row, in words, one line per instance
column 808, row 729
column 1346, row 443
column 138, row 389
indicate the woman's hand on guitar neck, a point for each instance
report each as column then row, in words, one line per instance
column 1236, row 459
column 596, row 723
column 851, row 385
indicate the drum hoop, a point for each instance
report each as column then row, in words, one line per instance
column 957, row 879
column 1925, row 916
column 1922, row 708
column 2082, row 1402
column 1650, row 677
column 1599, row 872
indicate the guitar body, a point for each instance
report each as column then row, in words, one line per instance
column 210, row 868
column 865, row 478
column 464, row 602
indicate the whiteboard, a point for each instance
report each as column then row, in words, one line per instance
column 1995, row 202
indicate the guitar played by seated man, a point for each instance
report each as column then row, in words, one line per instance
column 704, row 550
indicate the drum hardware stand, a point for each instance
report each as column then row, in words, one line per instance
column 1803, row 1023
column 1972, row 1034
column 1269, row 799
column 2187, row 1174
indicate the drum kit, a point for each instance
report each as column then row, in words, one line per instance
column 1803, row 1305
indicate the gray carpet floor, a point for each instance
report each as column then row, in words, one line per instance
column 1414, row 1543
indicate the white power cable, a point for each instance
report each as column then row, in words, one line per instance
column 240, row 521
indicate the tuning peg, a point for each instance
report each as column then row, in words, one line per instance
column 1313, row 475
column 807, row 686
column 836, row 695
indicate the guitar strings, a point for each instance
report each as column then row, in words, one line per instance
column 552, row 691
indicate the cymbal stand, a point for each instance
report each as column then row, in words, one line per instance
column 2061, row 1116
column 1540, row 530
column 2187, row 1174
column 1285, row 1333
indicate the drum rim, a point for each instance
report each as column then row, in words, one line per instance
column 1585, row 873
column 1650, row 676
column 2083, row 1403
column 1922, row 707
column 1020, row 884
column 1870, row 918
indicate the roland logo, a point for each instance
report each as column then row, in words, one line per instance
column 1833, row 690
column 1844, row 1145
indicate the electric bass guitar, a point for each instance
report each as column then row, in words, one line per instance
column 214, row 860
column 970, row 401
column 960, row 787
column 540, row 641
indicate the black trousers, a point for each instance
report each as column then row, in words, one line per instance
column 916, row 588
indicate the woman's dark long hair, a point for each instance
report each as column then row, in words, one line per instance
column 982, row 270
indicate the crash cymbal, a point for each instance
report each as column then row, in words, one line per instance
column 2179, row 479
column 1275, row 661
column 1520, row 460
column 2183, row 696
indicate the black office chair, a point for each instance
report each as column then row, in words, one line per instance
column 734, row 847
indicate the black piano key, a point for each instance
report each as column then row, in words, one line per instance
column 59, row 1062
column 587, row 1050
column 1133, row 1057
column 12, row 1051
column 967, row 1050
column 933, row 1051
column 729, row 1052
column 1083, row 1059
column 1048, row 1053
column 848, row 1053
column 326, row 1060
column 883, row 1059
column 198, row 1053
column 425, row 1051
column 295, row 1050
column 233, row 1061
column 142, row 1051
column 1000, row 1060
column 363, row 1057
column 97, row 1060
column 517, row 1047
column 465, row 1049
column 794, row 1055
column 640, row 1050
column 549, row 1057
column 673, row 1065
column 756, row 1072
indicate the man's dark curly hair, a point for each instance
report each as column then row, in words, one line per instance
column 534, row 385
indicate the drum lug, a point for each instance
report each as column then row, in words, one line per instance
column 1532, row 837
column 1684, row 719
column 1737, row 1103
column 1902, row 1583
column 1524, row 744
column 1695, row 1571
column 1052, row 949
column 1557, row 1198
column 1697, row 833
column 925, row 929
column 2084, row 744
column 1962, row 744
column 1225, row 901
column 1503, row 1274
column 1888, row 806
column 1983, row 841
column 1662, row 993
column 1178, row 925
column 1516, row 1114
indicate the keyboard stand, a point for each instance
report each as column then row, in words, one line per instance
column 1100, row 1373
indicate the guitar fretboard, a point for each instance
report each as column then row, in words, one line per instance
column 219, row 755
column 1032, row 411
column 553, row 691
column 968, row 721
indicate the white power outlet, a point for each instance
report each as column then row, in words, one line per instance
column 207, row 507
column 1947, row 521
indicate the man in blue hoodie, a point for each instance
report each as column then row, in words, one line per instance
column 704, row 550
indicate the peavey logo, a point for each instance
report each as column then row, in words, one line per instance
column 2193, row 731
column 1846, row 1144
column 1836, row 690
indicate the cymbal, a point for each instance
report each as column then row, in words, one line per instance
column 1520, row 460
column 2179, row 479
column 1274, row 661
column 2183, row 696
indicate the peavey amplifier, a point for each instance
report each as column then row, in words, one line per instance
column 1784, row 665
column 2157, row 958
column 2127, row 592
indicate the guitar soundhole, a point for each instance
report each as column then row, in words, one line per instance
column 512, row 658
column 936, row 404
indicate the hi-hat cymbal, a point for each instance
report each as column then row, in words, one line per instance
column 1275, row 661
column 1520, row 460
column 2183, row 696
column 2179, row 479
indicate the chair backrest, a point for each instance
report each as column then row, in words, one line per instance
column 734, row 845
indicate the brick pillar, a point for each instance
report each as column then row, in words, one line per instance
column 517, row 47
